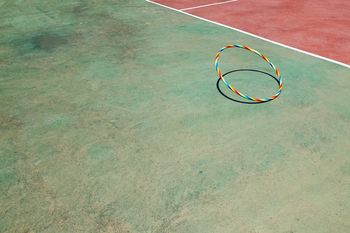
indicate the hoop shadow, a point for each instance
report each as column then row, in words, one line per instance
column 240, row 101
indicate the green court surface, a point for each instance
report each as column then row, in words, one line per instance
column 110, row 121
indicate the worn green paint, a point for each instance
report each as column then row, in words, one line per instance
column 111, row 122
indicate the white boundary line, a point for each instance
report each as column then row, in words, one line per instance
column 253, row 35
column 206, row 5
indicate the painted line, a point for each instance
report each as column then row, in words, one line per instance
column 253, row 35
column 206, row 5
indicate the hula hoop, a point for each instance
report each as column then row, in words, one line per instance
column 279, row 77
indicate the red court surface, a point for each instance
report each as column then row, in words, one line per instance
column 318, row 27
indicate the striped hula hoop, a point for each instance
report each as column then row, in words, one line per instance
column 279, row 78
